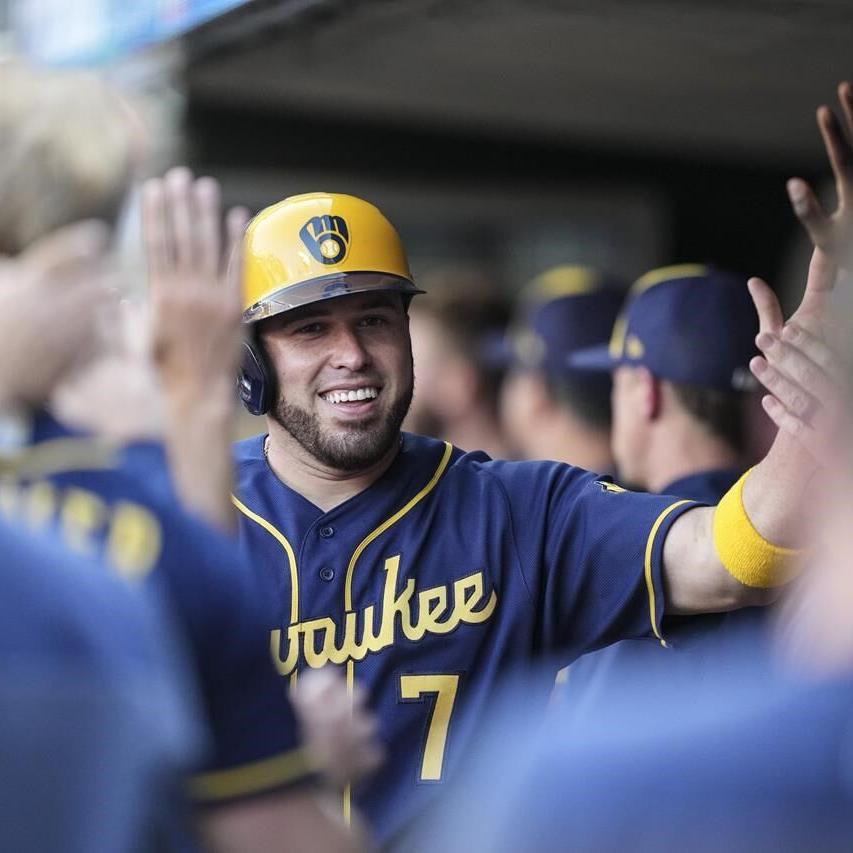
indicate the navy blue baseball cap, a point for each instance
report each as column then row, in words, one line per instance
column 563, row 309
column 691, row 324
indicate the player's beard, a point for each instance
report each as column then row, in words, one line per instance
column 352, row 448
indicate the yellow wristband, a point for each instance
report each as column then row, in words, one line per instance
column 746, row 554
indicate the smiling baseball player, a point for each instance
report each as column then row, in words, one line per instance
column 426, row 572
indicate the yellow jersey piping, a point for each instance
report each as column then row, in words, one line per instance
column 253, row 778
column 288, row 549
column 647, row 562
column 439, row 471
column 442, row 465
column 59, row 456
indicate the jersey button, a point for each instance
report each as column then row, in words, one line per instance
column 327, row 532
column 327, row 574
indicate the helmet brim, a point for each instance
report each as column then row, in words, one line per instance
column 327, row 287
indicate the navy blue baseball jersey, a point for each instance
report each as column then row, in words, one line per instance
column 98, row 727
column 693, row 642
column 445, row 573
column 117, row 503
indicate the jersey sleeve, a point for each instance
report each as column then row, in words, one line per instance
column 256, row 744
column 199, row 576
column 591, row 554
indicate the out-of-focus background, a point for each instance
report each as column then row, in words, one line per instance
column 502, row 137
column 514, row 133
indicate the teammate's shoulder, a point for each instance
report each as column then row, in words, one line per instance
column 706, row 486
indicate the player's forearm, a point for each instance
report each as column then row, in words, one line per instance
column 774, row 494
column 773, row 505
column 199, row 433
column 695, row 580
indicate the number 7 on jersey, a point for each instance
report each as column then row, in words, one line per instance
column 412, row 689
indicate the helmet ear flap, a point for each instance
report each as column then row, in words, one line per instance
column 256, row 382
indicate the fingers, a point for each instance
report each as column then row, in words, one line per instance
column 815, row 351
column 789, row 371
column 155, row 231
column 805, row 434
column 770, row 316
column 839, row 151
column 178, row 184
column 235, row 225
column 809, row 211
column 803, row 376
column 207, row 219
column 845, row 98
column 832, row 233
column 316, row 687
column 182, row 220
column 786, row 391
column 340, row 731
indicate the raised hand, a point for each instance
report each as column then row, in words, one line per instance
column 194, row 282
column 195, row 299
column 831, row 233
column 50, row 297
column 799, row 363
column 808, row 392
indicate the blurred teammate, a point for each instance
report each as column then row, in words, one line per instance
column 679, row 357
column 456, row 385
column 115, row 499
column 428, row 572
column 549, row 410
column 99, row 724
column 98, row 727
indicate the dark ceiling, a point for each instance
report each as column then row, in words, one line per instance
column 699, row 77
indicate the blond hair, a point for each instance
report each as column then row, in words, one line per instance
column 66, row 152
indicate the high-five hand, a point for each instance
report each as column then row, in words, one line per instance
column 194, row 282
column 799, row 365
column 195, row 312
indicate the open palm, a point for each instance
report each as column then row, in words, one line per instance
column 798, row 365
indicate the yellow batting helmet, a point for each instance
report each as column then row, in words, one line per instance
column 318, row 246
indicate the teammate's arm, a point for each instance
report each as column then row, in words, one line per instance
column 281, row 823
column 797, row 368
column 195, row 302
column 340, row 743
column 60, row 274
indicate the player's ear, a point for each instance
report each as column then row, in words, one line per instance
column 542, row 403
column 649, row 392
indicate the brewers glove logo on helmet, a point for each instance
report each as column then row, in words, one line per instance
column 327, row 238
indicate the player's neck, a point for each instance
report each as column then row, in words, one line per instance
column 676, row 454
column 565, row 439
column 323, row 486
column 477, row 432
